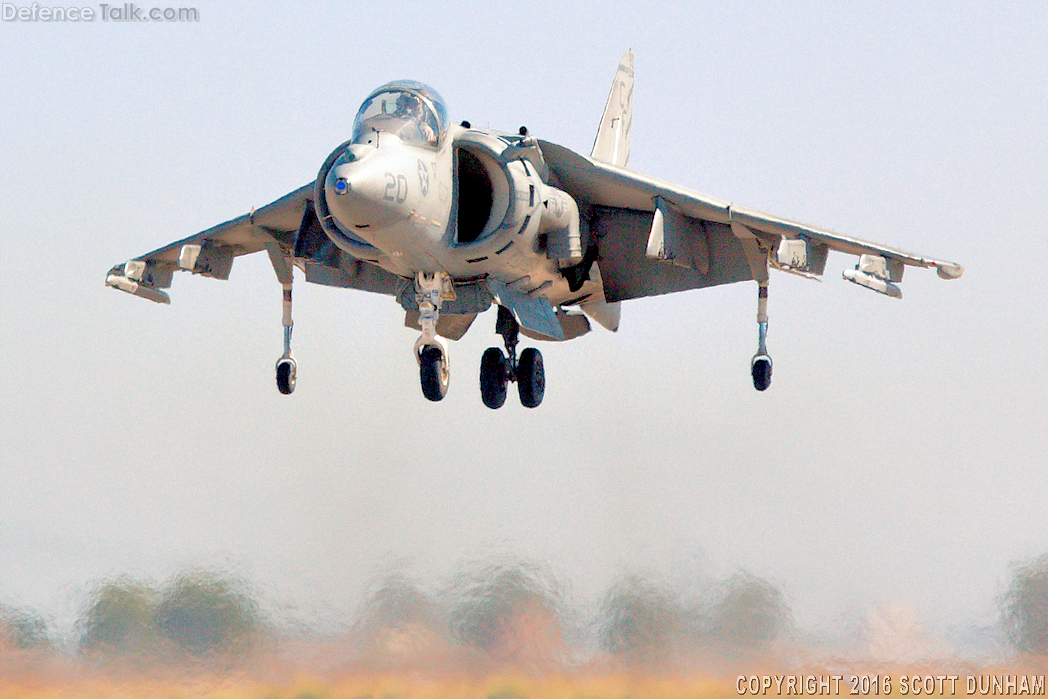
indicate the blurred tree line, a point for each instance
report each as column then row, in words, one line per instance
column 22, row 629
column 1024, row 608
column 199, row 614
column 494, row 612
column 649, row 623
column 515, row 612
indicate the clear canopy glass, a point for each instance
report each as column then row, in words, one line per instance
column 411, row 110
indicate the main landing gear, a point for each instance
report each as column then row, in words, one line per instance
column 498, row 369
column 760, row 366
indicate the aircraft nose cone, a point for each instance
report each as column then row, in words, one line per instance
column 356, row 194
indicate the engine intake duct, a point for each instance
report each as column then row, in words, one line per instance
column 475, row 196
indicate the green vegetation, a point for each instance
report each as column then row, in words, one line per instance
column 23, row 630
column 398, row 604
column 199, row 613
column 649, row 623
column 203, row 613
column 501, row 612
column 749, row 614
column 119, row 618
column 1024, row 607
column 644, row 622
column 399, row 623
column 509, row 610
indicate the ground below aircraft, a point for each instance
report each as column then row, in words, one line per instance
column 449, row 219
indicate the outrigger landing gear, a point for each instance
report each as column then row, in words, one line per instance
column 431, row 290
column 498, row 369
column 760, row 366
column 287, row 368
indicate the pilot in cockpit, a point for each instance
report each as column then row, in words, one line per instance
column 412, row 111
column 410, row 107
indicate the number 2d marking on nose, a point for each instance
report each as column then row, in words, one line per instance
column 396, row 188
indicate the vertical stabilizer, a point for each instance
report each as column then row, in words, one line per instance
column 612, row 145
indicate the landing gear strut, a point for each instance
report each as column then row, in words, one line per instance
column 287, row 368
column 760, row 366
column 431, row 290
column 498, row 369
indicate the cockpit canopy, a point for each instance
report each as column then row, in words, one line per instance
column 411, row 110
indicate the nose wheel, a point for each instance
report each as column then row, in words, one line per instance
column 434, row 373
column 497, row 370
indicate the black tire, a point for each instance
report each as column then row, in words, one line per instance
column 432, row 373
column 494, row 377
column 285, row 377
column 531, row 378
column 761, row 372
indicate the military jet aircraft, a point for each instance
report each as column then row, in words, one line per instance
column 449, row 219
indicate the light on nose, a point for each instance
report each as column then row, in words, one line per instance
column 358, row 194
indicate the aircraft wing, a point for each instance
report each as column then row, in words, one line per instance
column 642, row 222
column 273, row 228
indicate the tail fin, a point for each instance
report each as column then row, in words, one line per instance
column 612, row 144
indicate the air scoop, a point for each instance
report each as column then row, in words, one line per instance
column 357, row 151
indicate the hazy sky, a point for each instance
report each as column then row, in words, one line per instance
column 898, row 458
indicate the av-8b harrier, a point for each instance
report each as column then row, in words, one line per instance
column 449, row 219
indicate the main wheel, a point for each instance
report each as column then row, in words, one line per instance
column 494, row 377
column 761, row 372
column 286, row 376
column 531, row 378
column 433, row 373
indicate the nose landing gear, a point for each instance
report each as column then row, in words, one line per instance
column 434, row 372
column 431, row 290
column 498, row 369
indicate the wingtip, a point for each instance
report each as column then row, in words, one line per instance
column 949, row 270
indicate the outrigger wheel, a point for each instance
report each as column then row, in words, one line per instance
column 760, row 369
column 287, row 373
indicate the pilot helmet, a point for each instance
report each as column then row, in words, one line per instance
column 408, row 103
